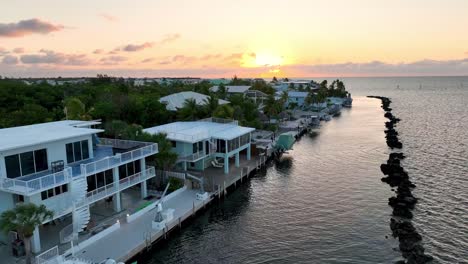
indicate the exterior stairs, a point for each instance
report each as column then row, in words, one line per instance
column 80, row 214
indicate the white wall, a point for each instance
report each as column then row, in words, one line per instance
column 55, row 151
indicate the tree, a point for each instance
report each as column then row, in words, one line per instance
column 211, row 103
column 222, row 91
column 165, row 159
column 272, row 107
column 25, row 218
column 74, row 109
column 224, row 111
column 189, row 111
column 284, row 98
column 274, row 79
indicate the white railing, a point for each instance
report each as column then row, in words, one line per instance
column 185, row 137
column 178, row 175
column 219, row 120
column 193, row 157
column 36, row 185
column 112, row 188
column 118, row 159
column 65, row 233
column 47, row 256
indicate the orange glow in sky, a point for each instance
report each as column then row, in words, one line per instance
column 220, row 38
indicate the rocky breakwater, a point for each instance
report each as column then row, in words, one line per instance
column 404, row 202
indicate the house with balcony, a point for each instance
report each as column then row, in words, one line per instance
column 67, row 167
column 207, row 142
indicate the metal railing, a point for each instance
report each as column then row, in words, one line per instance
column 118, row 159
column 193, row 157
column 62, row 177
column 219, row 120
column 112, row 188
column 47, row 256
column 35, row 185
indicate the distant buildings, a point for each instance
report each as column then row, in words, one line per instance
column 184, row 80
column 177, row 100
column 232, row 89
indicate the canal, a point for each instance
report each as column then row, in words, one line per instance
column 323, row 202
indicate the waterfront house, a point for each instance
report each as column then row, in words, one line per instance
column 296, row 97
column 207, row 142
column 232, row 89
column 65, row 166
column 177, row 100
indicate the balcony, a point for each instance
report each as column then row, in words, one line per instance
column 44, row 180
column 192, row 157
column 103, row 159
column 111, row 189
column 137, row 150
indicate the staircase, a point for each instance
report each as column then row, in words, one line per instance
column 80, row 214
column 213, row 146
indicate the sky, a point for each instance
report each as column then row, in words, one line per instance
column 222, row 38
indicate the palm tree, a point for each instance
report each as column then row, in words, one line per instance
column 74, row 109
column 284, row 97
column 189, row 111
column 224, row 111
column 211, row 103
column 272, row 107
column 25, row 218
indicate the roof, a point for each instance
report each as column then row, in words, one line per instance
column 25, row 136
column 177, row 100
column 232, row 89
column 195, row 131
column 298, row 94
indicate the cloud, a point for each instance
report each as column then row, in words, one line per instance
column 28, row 27
column 108, row 17
column 52, row 57
column 9, row 59
column 18, row 50
column 182, row 59
column 210, row 57
column 170, row 38
column 3, row 51
column 98, row 51
column 147, row 60
column 113, row 60
column 379, row 68
column 135, row 47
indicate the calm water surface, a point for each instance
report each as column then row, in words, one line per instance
column 324, row 202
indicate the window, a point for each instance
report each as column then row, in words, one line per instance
column 194, row 148
column 69, row 149
column 26, row 163
column 12, row 164
column 77, row 151
column 207, row 147
column 129, row 169
column 85, row 149
column 173, row 143
column 40, row 159
column 200, row 146
column 54, row 191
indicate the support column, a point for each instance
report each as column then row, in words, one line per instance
column 36, row 241
column 249, row 152
column 237, row 159
column 226, row 164
column 144, row 189
column 116, row 198
column 143, row 185
column 185, row 166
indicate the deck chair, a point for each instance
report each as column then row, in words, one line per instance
column 216, row 165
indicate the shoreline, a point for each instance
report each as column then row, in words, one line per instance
column 410, row 241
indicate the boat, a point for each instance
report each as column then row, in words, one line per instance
column 285, row 141
column 326, row 117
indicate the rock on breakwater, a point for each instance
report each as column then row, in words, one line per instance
column 404, row 202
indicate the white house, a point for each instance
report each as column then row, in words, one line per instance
column 232, row 89
column 198, row 143
column 177, row 100
column 65, row 166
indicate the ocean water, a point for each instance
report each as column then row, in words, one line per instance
column 324, row 201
